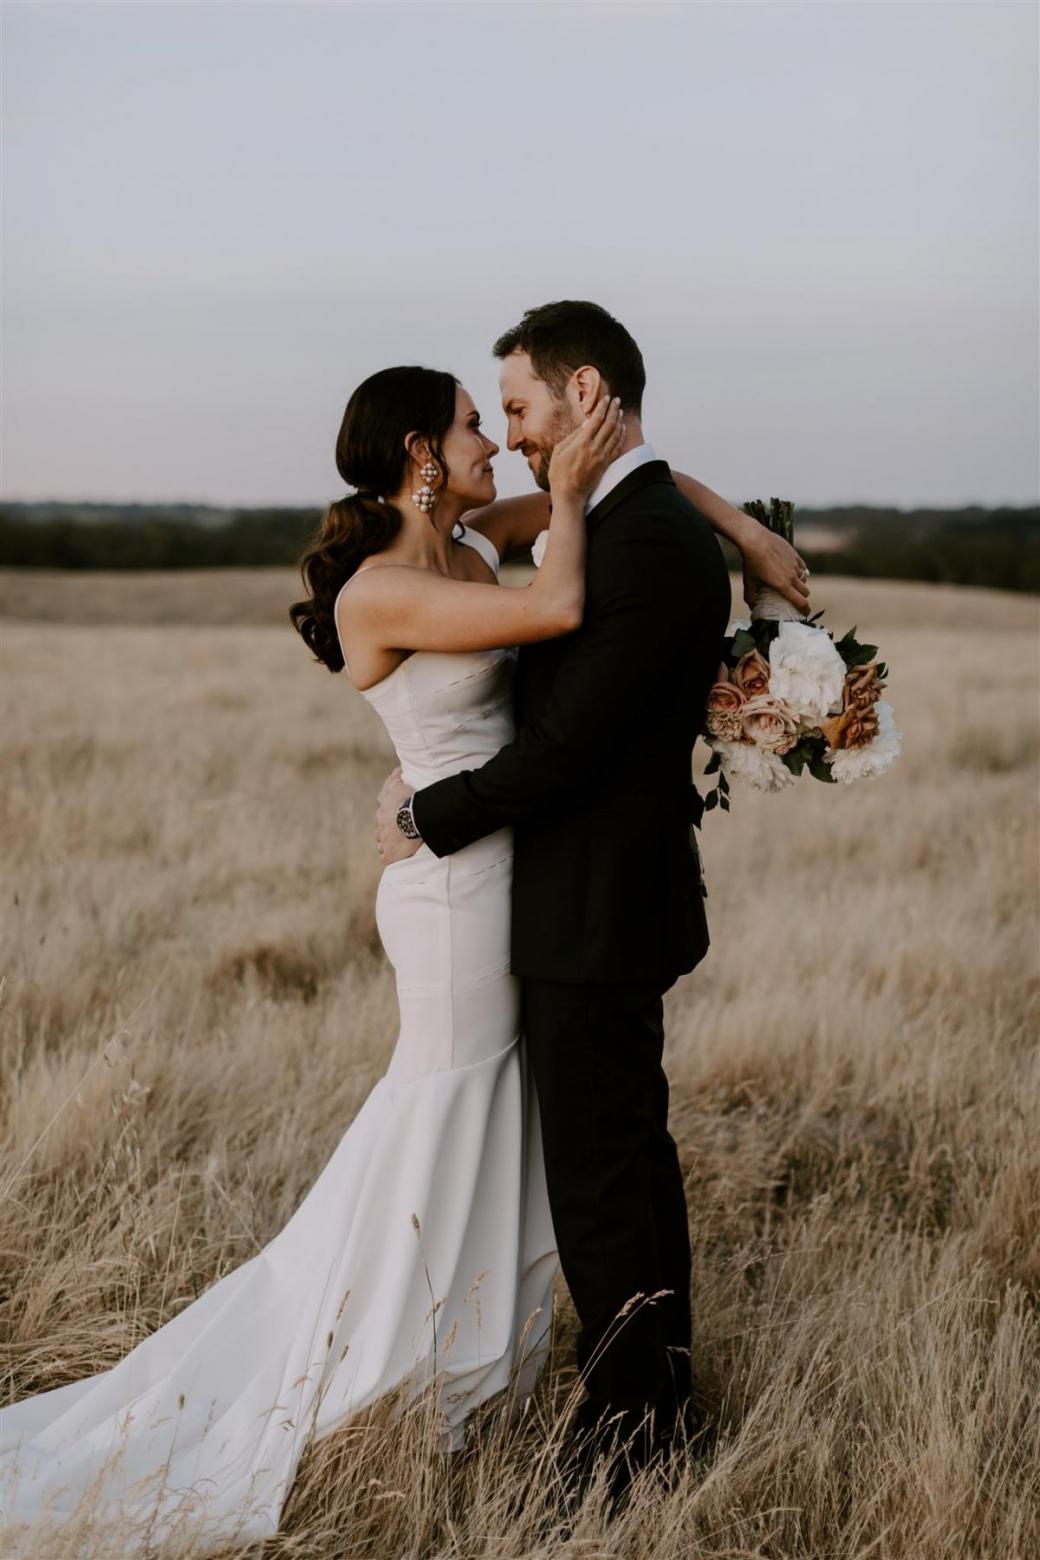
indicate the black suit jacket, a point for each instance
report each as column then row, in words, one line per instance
column 597, row 782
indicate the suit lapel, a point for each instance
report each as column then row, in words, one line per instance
column 650, row 471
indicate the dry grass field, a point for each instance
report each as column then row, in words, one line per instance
column 194, row 1006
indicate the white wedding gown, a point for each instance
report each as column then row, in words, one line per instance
column 194, row 1437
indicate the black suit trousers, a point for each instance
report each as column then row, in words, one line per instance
column 616, row 1193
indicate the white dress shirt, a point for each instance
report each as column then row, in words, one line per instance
column 618, row 470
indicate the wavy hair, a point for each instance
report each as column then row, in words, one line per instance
column 371, row 456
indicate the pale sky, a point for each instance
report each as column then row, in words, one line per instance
column 818, row 220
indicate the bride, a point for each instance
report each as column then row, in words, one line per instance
column 423, row 1255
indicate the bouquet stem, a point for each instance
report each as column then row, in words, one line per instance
column 779, row 517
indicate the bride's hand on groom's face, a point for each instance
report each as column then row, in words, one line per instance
column 579, row 460
column 393, row 845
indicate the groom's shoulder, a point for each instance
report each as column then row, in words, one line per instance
column 658, row 546
column 659, row 517
column 657, row 495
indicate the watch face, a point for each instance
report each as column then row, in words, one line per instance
column 406, row 823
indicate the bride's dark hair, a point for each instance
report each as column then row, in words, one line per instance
column 371, row 456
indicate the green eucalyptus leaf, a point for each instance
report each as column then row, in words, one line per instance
column 821, row 770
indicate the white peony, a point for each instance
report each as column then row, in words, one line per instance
column 849, row 764
column 757, row 768
column 806, row 672
column 541, row 542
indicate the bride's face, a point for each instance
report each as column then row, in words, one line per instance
column 537, row 418
column 468, row 453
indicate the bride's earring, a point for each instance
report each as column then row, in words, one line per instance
column 425, row 498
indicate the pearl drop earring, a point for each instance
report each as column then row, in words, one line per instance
column 425, row 498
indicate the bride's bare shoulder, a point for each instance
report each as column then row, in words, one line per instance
column 374, row 585
column 379, row 594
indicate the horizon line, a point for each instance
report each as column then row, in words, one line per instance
column 202, row 503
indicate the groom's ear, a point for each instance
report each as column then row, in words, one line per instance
column 588, row 384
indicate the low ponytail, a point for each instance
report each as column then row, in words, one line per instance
column 351, row 528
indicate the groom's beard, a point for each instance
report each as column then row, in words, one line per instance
column 541, row 469
column 563, row 423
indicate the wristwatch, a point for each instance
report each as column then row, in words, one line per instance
column 405, row 822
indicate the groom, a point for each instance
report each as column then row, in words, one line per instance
column 608, row 906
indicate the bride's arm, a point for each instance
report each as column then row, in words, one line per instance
column 511, row 524
column 768, row 559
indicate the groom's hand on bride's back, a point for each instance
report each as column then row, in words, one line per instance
column 393, row 845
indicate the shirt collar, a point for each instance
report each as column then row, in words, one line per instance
column 617, row 471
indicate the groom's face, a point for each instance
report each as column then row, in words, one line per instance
column 537, row 418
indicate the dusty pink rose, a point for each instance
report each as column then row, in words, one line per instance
column 770, row 724
column 751, row 674
column 725, row 701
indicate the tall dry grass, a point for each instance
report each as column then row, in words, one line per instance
column 195, row 1005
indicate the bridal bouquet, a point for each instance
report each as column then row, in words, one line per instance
column 793, row 697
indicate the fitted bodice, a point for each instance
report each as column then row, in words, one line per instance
column 447, row 711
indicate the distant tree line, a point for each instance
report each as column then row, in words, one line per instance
column 999, row 548
column 151, row 537
column 969, row 546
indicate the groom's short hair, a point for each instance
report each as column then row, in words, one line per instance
column 561, row 337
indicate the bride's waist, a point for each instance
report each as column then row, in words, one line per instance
column 491, row 856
